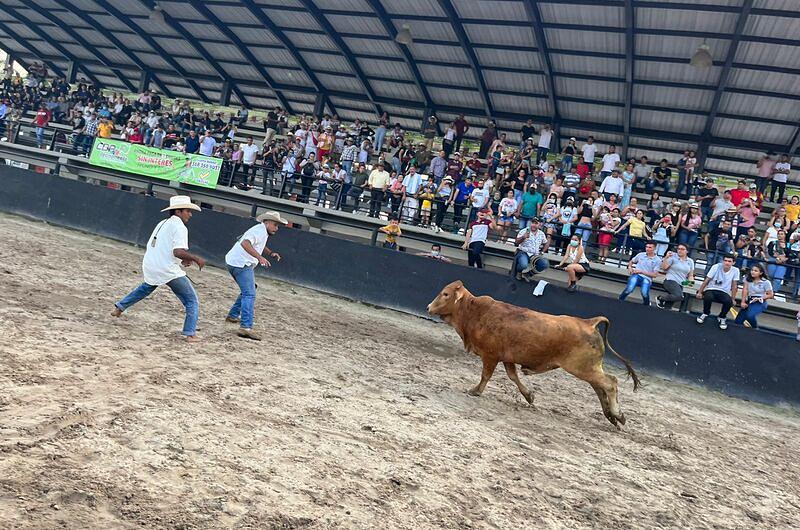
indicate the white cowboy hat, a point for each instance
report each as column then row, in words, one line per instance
column 179, row 202
column 272, row 216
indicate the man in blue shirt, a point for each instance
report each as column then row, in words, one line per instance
column 192, row 142
column 643, row 269
column 460, row 200
column 4, row 109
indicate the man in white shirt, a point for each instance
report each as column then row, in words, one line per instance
column 529, row 259
column 610, row 161
column 411, row 186
column 612, row 185
column 166, row 251
column 249, row 153
column 545, row 137
column 720, row 286
column 779, row 177
column 378, row 182
column 207, row 144
column 478, row 199
column 242, row 259
column 589, row 150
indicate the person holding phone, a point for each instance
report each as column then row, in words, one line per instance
column 680, row 272
column 720, row 286
column 757, row 290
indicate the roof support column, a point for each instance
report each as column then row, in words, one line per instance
column 319, row 105
column 72, row 72
column 225, row 94
column 144, row 81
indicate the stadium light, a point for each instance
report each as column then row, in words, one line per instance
column 702, row 57
column 157, row 14
column 404, row 36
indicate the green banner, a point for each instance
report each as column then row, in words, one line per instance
column 196, row 170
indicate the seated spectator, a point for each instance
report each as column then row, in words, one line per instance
column 720, row 285
column 679, row 268
column 643, row 269
column 612, row 185
column 531, row 244
column 661, row 176
column 778, row 257
column 755, row 293
column 708, row 195
column 435, row 253
column 574, row 262
column 749, row 248
column 740, row 193
column 392, row 231
column 663, row 232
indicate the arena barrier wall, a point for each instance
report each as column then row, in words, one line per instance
column 739, row 362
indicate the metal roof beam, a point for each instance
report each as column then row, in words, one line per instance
column 348, row 55
column 630, row 42
column 236, row 41
column 535, row 21
column 722, row 83
column 25, row 44
column 391, row 30
column 795, row 145
column 122, row 17
column 466, row 46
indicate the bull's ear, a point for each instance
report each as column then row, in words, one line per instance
column 459, row 293
column 458, row 284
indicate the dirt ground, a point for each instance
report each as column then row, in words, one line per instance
column 346, row 416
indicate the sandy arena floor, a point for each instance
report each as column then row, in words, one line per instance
column 346, row 416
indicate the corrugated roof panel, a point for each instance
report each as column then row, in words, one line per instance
column 373, row 47
column 208, row 83
column 112, row 24
column 668, row 121
column 332, row 63
column 212, row 95
column 155, row 28
column 387, row 69
column 292, row 19
column 717, row 166
column 48, row 4
column 78, row 51
column 311, row 40
column 765, row 132
column 360, row 25
column 343, row 102
column 302, row 96
column 677, row 73
column 522, row 83
column 231, row 14
column 273, row 57
column 261, row 102
column 239, row 71
column 203, row 30
column 349, row 5
column 27, row 33
column 577, row 64
column 591, row 15
column 680, row 47
column 494, row 9
column 118, row 57
column 460, row 98
column 176, row 46
column 445, row 54
column 450, row 75
column 663, row 145
column 37, row 18
column 568, row 39
column 499, row 35
column 736, row 3
column 778, row 27
column 404, row 111
column 182, row 10
column 129, row 8
column 110, row 81
column 520, row 104
column 390, row 89
column 289, row 77
column 175, row 81
column 747, row 105
column 788, row 5
column 133, row 42
column 758, row 80
column 596, row 90
column 224, row 52
column 685, row 20
column 736, row 153
column 670, row 97
column 489, row 58
column 302, row 107
column 768, row 54
column 255, row 36
column 345, row 84
column 413, row 7
column 586, row 112
column 655, row 156
column 428, row 29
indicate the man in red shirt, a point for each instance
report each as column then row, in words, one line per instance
column 454, row 167
column 582, row 168
column 41, row 120
column 462, row 127
column 474, row 165
column 740, row 193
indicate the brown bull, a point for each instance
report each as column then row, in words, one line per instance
column 500, row 332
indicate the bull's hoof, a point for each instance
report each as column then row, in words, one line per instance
column 621, row 418
column 474, row 392
column 528, row 397
column 613, row 421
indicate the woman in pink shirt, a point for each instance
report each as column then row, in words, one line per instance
column 748, row 214
column 689, row 227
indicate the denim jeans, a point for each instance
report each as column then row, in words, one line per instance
column 244, row 305
column 182, row 288
column 776, row 273
column 688, row 238
column 347, row 165
column 39, row 136
column 641, row 281
column 585, row 231
column 522, row 260
column 322, row 190
column 541, row 154
column 750, row 313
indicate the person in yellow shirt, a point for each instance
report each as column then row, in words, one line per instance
column 105, row 129
column 637, row 231
column 793, row 209
column 392, row 231
column 426, row 195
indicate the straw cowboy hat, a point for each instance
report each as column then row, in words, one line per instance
column 180, row 202
column 272, row 216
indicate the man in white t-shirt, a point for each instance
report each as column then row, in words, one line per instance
column 166, row 251
column 545, row 137
column 242, row 259
column 610, row 161
column 249, row 153
column 412, row 183
column 589, row 150
column 207, row 144
column 720, row 285
column 779, row 177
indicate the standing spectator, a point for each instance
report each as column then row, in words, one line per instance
column 612, row 184
column 412, row 183
column 707, row 195
column 720, row 242
column 449, row 140
column 589, row 150
column 193, row 142
column 689, row 226
column 637, row 231
column 444, row 194
column 629, row 179
column 426, row 195
column 749, row 248
column 488, row 137
column 740, row 193
column 757, row 290
column 438, row 166
column 680, row 271
column 610, row 161
column 324, row 176
column 720, row 285
column 681, row 167
column 531, row 244
column 461, row 127
column 271, row 125
column 460, row 199
column 249, row 153
column 156, row 138
column 748, row 214
column 779, row 177
column 41, row 120
column 545, row 139
column 568, row 153
column 78, row 126
column 475, row 238
column 529, row 205
column 357, row 185
column 766, row 167
column 89, row 132
column 527, row 132
column 377, row 183
column 392, row 231
column 574, row 262
column 429, row 131
column 207, row 144
column 660, row 176
column 380, row 135
column 643, row 269
column 309, row 168
column 348, row 156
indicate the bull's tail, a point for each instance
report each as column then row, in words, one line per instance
column 626, row 362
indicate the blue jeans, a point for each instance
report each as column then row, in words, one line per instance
column 776, row 273
column 566, row 162
column 39, row 136
column 182, row 288
column 585, row 231
column 522, row 260
column 524, row 222
column 638, row 280
column 380, row 134
column 322, row 190
column 688, row 238
column 244, row 305
column 750, row 314
column 347, row 165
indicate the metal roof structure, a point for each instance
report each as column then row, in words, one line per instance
column 615, row 69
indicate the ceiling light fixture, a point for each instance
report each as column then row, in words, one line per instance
column 157, row 14
column 404, row 36
column 702, row 57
